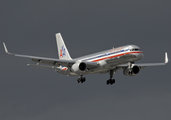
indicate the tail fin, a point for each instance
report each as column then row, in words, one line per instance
column 62, row 49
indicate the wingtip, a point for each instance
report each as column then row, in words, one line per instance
column 166, row 58
column 6, row 50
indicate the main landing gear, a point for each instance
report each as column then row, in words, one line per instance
column 81, row 79
column 111, row 81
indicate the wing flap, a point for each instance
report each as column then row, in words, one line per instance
column 51, row 61
column 50, row 67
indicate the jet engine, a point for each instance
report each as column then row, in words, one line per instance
column 134, row 70
column 79, row 67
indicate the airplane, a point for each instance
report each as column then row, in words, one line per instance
column 108, row 61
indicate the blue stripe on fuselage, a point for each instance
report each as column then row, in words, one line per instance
column 106, row 54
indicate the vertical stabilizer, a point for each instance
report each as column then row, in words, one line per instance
column 62, row 49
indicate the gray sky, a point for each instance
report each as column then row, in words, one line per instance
column 29, row 27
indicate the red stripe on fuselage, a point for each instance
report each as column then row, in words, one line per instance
column 115, row 56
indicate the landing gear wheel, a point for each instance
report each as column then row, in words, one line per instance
column 107, row 82
column 78, row 80
column 113, row 81
column 110, row 81
column 81, row 79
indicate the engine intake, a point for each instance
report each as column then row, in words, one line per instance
column 82, row 66
column 134, row 70
column 79, row 67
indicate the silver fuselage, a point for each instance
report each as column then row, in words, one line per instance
column 113, row 57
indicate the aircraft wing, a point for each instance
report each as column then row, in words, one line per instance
column 142, row 65
column 49, row 61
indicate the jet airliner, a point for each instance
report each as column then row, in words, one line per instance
column 108, row 61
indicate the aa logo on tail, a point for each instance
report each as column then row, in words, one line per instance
column 62, row 52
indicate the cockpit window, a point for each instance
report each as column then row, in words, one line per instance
column 135, row 49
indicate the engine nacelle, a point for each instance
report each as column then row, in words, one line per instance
column 134, row 70
column 79, row 67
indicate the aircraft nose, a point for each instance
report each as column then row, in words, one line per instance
column 140, row 55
